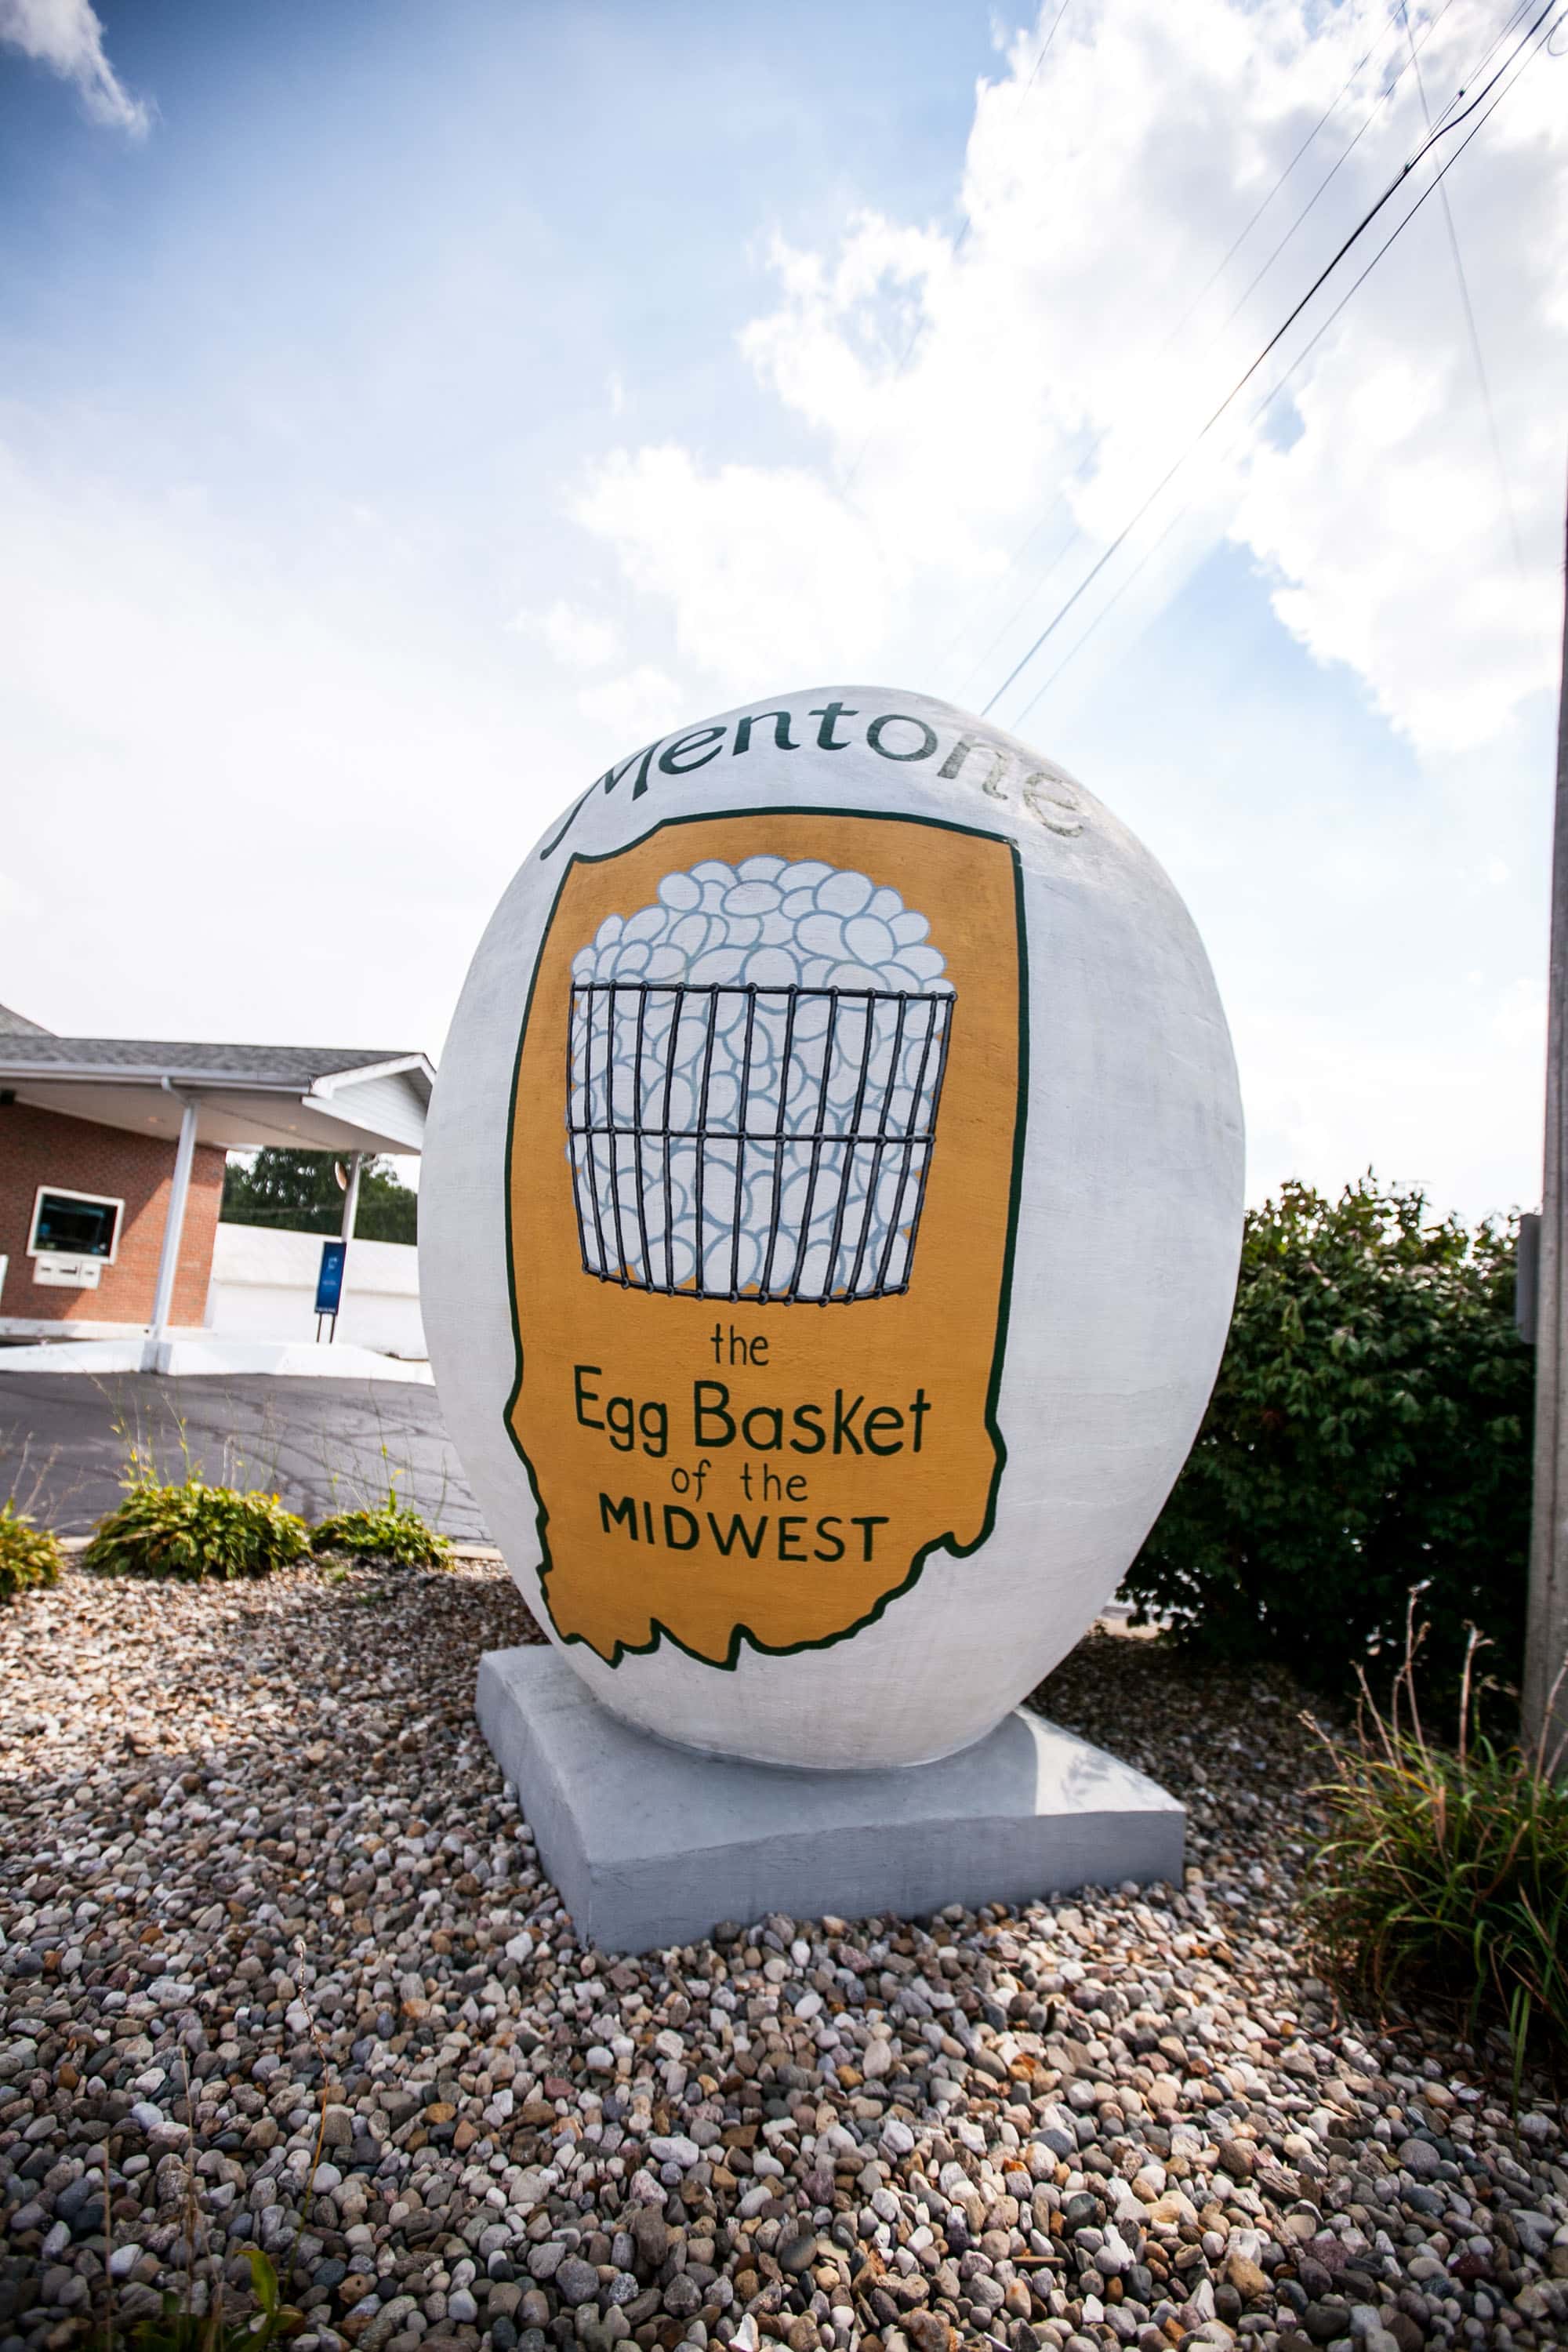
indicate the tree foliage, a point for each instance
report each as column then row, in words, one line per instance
column 296, row 1191
column 1369, row 1433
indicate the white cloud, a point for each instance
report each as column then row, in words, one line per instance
column 67, row 36
column 578, row 640
column 1323, row 1103
column 1519, row 1020
column 765, row 569
column 1048, row 364
column 643, row 703
column 274, row 773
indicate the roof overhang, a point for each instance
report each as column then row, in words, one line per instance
column 380, row 1108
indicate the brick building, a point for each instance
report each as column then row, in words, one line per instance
column 112, row 1154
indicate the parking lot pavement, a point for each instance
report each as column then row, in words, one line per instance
column 66, row 1440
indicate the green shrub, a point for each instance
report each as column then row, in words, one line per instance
column 391, row 1532
column 194, row 1531
column 30, row 1556
column 1369, row 1434
column 1443, row 1875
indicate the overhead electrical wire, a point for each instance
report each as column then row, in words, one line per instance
column 1277, row 388
column 1329, row 110
column 1081, row 467
column 1471, row 327
column 1273, row 340
column 1348, row 151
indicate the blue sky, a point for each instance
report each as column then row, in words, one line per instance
column 404, row 411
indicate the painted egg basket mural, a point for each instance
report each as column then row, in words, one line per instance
column 755, row 1067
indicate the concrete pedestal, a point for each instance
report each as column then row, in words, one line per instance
column 652, row 1845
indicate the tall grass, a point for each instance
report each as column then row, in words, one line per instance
column 1444, row 1873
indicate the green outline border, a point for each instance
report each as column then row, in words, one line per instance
column 948, row 1542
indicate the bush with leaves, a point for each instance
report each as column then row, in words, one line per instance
column 192, row 1530
column 1369, row 1434
column 391, row 1532
column 1443, row 1873
column 30, row 1556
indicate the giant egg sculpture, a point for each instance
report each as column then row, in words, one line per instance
column 829, row 1225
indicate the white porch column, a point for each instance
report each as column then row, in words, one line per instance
column 173, row 1227
column 351, row 1210
column 351, row 1196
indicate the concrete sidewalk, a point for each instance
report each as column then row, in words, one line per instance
column 323, row 1445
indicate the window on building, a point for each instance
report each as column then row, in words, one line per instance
column 76, row 1224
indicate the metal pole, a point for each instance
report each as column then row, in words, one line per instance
column 1545, row 1707
column 350, row 1210
column 174, row 1229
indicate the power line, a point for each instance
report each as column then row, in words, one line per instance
column 1097, row 444
column 1343, row 157
column 1469, row 316
column 1105, row 611
column 1245, row 377
column 1332, row 109
column 1279, row 387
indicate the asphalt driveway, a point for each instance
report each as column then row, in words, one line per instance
column 66, row 1439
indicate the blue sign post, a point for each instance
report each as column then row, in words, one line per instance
column 330, row 1282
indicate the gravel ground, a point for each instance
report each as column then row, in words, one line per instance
column 254, row 1858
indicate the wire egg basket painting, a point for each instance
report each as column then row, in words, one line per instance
column 754, row 1071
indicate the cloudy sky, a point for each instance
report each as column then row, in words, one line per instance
column 405, row 411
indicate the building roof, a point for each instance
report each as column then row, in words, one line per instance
column 302, row 1098
column 284, row 1066
column 17, row 1024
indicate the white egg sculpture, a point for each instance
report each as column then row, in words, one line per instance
column 829, row 1225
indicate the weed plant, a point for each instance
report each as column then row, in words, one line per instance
column 391, row 1531
column 192, row 1531
column 30, row 1556
column 157, row 1444
column 367, row 1475
column 1444, row 1873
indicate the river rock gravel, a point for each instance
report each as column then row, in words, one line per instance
column 280, row 1968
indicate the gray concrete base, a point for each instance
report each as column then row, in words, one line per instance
column 652, row 1845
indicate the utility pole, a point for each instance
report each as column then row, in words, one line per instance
column 1545, row 1710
